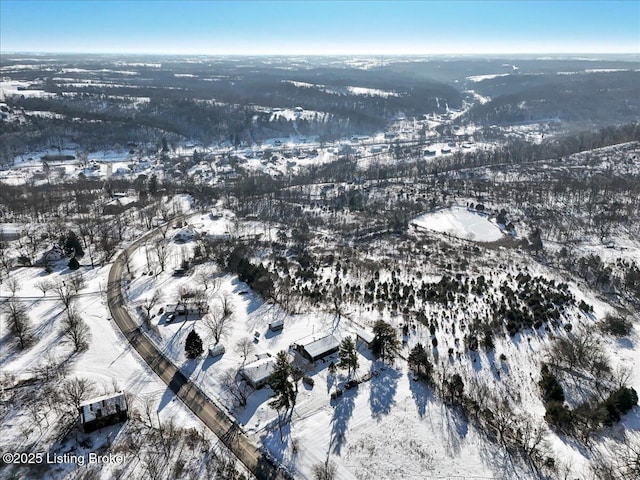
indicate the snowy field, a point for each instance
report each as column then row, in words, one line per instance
column 461, row 223
column 390, row 426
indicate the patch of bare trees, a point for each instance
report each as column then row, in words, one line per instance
column 581, row 355
column 236, row 386
column 205, row 279
column 218, row 319
column 75, row 330
column 149, row 303
column 17, row 320
column 244, row 348
column 617, row 461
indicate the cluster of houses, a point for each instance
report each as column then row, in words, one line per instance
column 312, row 349
column 112, row 408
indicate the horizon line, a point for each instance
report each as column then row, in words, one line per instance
column 317, row 54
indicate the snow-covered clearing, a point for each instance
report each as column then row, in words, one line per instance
column 480, row 78
column 15, row 87
column 462, row 223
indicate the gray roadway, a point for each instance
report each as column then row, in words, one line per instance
column 214, row 417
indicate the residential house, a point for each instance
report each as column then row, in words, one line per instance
column 103, row 411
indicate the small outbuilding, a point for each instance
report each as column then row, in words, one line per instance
column 276, row 325
column 103, row 411
column 216, row 350
column 257, row 373
column 315, row 350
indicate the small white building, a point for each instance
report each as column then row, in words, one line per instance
column 257, row 373
column 216, row 350
column 54, row 254
column 185, row 234
column 276, row 325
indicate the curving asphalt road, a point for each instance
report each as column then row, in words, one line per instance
column 225, row 428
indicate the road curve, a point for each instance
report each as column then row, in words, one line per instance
column 216, row 419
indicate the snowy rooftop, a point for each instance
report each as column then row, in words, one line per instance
column 107, row 404
column 277, row 323
column 322, row 345
column 365, row 336
column 259, row 370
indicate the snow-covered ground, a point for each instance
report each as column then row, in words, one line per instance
column 462, row 223
column 353, row 431
column 16, row 87
column 109, row 362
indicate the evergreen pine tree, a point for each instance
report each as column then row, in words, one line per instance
column 193, row 345
column 419, row 361
column 281, row 384
column 73, row 264
column 72, row 245
column 348, row 355
column 385, row 341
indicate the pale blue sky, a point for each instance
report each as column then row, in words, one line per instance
column 320, row 27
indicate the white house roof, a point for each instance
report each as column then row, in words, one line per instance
column 186, row 233
column 260, row 370
column 365, row 336
column 108, row 404
column 323, row 345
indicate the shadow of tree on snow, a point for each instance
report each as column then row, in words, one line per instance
column 341, row 416
column 420, row 393
column 384, row 384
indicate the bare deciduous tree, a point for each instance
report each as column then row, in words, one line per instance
column 18, row 321
column 324, row 471
column 236, row 387
column 149, row 303
column 126, row 258
column 162, row 252
column 44, row 286
column 107, row 241
column 76, row 281
column 75, row 330
column 244, row 348
column 65, row 294
column 216, row 323
column 76, row 390
column 226, row 305
column 5, row 260
column 532, row 438
column 13, row 285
